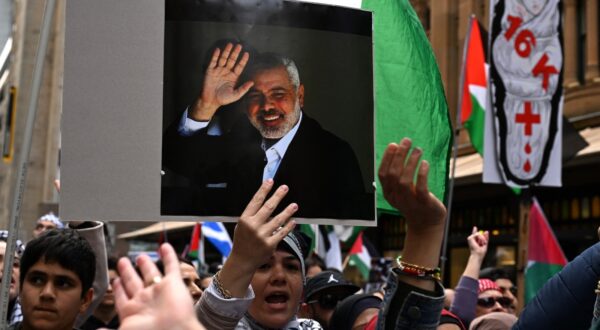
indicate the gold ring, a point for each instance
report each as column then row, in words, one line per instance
column 156, row 280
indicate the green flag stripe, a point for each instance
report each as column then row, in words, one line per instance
column 358, row 263
column 308, row 230
column 536, row 275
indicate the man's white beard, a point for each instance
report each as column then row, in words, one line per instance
column 280, row 131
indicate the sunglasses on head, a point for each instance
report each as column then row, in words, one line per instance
column 489, row 302
column 326, row 301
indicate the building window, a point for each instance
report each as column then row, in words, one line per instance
column 596, row 206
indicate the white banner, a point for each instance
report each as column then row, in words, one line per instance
column 523, row 140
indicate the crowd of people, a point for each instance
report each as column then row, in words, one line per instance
column 62, row 279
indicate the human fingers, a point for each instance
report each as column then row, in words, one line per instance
column 410, row 167
column 169, row 258
column 421, row 187
column 130, row 280
column 57, row 185
column 281, row 219
column 474, row 230
column 239, row 68
column 225, row 54
column 243, row 89
column 214, row 58
column 269, row 206
column 386, row 161
column 234, row 56
column 120, row 296
column 398, row 162
column 258, row 199
column 281, row 233
column 150, row 273
column 485, row 237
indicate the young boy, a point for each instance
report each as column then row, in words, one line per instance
column 56, row 276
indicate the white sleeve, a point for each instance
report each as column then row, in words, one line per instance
column 216, row 312
column 188, row 127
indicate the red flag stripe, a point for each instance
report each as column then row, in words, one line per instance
column 358, row 245
column 474, row 69
column 543, row 245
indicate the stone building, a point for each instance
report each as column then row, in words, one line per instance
column 21, row 20
column 574, row 209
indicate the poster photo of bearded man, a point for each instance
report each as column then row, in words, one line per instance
column 253, row 93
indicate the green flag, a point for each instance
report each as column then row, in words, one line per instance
column 544, row 255
column 409, row 94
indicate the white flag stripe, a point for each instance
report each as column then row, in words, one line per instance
column 222, row 236
column 480, row 94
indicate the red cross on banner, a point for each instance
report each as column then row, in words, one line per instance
column 527, row 118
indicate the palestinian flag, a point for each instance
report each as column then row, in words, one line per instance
column 474, row 90
column 194, row 251
column 347, row 234
column 544, row 256
column 360, row 256
column 409, row 91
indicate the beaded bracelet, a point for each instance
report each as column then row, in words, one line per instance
column 222, row 291
column 418, row 271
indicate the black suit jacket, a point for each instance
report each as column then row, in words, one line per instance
column 225, row 171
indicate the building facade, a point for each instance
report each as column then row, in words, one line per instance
column 572, row 210
column 23, row 19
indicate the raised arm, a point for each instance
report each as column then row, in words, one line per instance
column 256, row 237
column 410, row 290
column 465, row 299
column 478, row 245
column 220, row 80
column 424, row 213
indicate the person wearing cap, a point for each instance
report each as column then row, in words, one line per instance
column 47, row 222
column 261, row 284
column 490, row 298
column 14, row 314
column 323, row 292
column 505, row 283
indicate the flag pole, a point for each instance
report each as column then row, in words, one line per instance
column 201, row 255
column 525, row 199
column 317, row 232
column 457, row 129
column 13, row 227
column 346, row 260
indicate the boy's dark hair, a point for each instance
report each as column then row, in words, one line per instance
column 65, row 247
